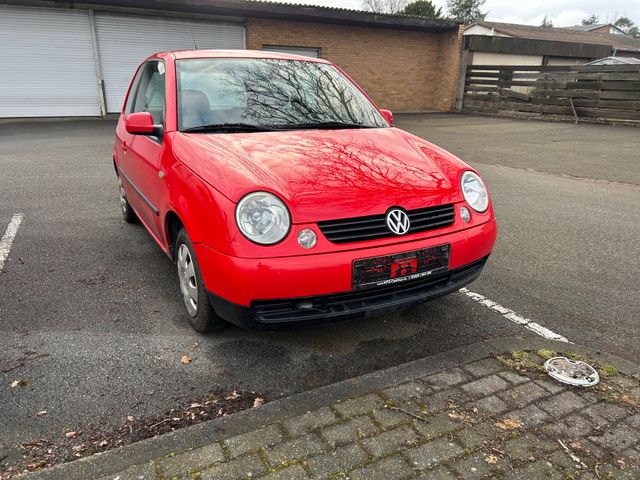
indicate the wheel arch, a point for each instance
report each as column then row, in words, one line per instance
column 172, row 226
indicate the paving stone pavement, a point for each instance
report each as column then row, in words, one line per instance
column 497, row 417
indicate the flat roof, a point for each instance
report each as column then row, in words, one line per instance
column 619, row 42
column 276, row 11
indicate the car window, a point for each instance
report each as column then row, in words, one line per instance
column 132, row 92
column 268, row 93
column 150, row 94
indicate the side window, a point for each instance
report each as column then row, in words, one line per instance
column 132, row 93
column 150, row 93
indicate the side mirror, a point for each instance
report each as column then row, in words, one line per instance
column 141, row 123
column 388, row 116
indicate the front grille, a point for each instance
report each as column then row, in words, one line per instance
column 361, row 302
column 375, row 226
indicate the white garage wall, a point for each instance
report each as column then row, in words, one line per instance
column 126, row 40
column 486, row 58
column 46, row 63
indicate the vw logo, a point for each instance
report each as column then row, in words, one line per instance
column 398, row 221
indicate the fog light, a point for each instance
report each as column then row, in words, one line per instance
column 465, row 214
column 307, row 238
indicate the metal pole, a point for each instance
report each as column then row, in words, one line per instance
column 96, row 62
column 573, row 107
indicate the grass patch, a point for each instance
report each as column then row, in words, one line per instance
column 522, row 361
column 608, row 371
column 546, row 354
column 577, row 357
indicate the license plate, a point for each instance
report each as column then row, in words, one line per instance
column 400, row 267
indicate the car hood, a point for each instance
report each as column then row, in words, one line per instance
column 326, row 174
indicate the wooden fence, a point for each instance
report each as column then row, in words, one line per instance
column 609, row 93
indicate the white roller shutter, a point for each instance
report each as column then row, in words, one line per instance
column 126, row 40
column 46, row 63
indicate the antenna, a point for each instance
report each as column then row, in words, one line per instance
column 195, row 45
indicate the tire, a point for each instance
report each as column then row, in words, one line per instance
column 127, row 212
column 202, row 317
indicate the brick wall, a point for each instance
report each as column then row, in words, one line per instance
column 448, row 67
column 401, row 70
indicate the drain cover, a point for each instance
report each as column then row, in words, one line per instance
column 572, row 372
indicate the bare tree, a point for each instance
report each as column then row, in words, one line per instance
column 284, row 93
column 385, row 6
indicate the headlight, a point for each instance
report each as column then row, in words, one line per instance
column 474, row 191
column 263, row 218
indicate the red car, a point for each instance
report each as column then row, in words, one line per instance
column 284, row 195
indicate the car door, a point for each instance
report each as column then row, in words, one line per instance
column 141, row 154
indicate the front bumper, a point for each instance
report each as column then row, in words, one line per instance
column 260, row 292
column 354, row 304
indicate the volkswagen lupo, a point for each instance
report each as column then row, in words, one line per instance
column 285, row 195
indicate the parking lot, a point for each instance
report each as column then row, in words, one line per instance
column 91, row 318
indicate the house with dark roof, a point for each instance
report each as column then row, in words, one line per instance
column 599, row 28
column 495, row 43
column 67, row 58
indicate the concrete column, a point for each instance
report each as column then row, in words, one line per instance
column 96, row 61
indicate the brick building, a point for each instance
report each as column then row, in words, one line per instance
column 76, row 59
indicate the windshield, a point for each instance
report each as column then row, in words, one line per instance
column 269, row 94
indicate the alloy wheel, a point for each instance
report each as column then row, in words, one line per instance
column 188, row 280
column 123, row 197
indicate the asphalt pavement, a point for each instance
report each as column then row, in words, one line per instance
column 91, row 319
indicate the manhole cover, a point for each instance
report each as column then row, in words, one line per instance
column 572, row 372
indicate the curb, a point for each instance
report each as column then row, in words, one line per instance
column 117, row 460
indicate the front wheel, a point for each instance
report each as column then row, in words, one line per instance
column 194, row 295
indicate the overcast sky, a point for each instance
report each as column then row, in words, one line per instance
column 561, row 12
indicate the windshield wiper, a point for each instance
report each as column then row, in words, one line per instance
column 227, row 127
column 324, row 125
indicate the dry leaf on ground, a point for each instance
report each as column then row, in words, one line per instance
column 185, row 359
column 509, row 424
column 233, row 395
column 492, row 459
column 72, row 434
column 258, row 401
column 628, row 399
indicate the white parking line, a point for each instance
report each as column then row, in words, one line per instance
column 514, row 317
column 7, row 238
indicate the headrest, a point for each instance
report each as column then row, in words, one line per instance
column 194, row 102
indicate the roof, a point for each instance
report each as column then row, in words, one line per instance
column 190, row 54
column 618, row 42
column 281, row 11
column 593, row 26
column 616, row 61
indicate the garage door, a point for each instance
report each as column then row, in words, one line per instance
column 126, row 40
column 46, row 63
